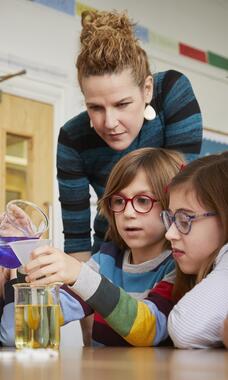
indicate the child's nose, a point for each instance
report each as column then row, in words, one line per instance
column 129, row 209
column 172, row 233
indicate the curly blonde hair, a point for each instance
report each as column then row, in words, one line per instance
column 109, row 45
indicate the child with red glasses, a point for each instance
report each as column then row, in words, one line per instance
column 197, row 228
column 128, row 283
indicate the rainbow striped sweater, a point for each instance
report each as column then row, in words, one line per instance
column 130, row 302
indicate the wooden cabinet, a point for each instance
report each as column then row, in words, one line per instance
column 26, row 151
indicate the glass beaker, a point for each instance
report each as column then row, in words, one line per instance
column 22, row 220
column 37, row 316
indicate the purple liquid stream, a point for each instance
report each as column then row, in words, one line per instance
column 8, row 259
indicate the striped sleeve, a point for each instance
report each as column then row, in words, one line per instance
column 183, row 120
column 1, row 306
column 7, row 331
column 72, row 306
column 1, row 312
column 74, row 195
column 140, row 323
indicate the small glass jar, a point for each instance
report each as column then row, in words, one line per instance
column 37, row 316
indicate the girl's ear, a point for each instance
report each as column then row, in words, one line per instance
column 148, row 89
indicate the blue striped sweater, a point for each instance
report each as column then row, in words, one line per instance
column 84, row 159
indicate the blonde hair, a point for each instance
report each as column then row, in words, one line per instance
column 159, row 164
column 207, row 177
column 108, row 45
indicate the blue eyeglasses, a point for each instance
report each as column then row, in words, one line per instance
column 182, row 220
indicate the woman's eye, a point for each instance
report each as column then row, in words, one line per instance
column 122, row 105
column 95, row 108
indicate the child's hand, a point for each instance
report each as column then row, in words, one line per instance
column 6, row 275
column 6, row 229
column 52, row 265
column 21, row 220
column 19, row 223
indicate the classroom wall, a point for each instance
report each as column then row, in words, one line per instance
column 48, row 39
column 200, row 24
column 44, row 41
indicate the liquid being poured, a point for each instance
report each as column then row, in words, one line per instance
column 21, row 221
column 8, row 259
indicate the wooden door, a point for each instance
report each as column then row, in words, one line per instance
column 26, row 151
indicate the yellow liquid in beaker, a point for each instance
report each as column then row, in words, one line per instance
column 37, row 326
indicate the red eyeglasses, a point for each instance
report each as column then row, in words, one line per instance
column 140, row 203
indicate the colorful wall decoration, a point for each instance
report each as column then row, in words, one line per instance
column 210, row 147
column 66, row 6
column 73, row 8
column 213, row 142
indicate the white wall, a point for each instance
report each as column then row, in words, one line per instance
column 47, row 39
column 199, row 23
column 43, row 41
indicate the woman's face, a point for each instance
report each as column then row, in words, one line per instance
column 206, row 234
column 115, row 106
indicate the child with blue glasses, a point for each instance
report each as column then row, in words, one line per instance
column 197, row 228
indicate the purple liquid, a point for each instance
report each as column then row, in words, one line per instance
column 8, row 259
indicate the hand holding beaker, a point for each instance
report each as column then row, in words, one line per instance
column 22, row 220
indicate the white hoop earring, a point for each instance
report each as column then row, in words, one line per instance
column 149, row 112
column 91, row 124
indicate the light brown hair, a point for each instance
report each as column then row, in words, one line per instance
column 207, row 177
column 159, row 164
column 109, row 45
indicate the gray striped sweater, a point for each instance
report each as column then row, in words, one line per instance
column 196, row 321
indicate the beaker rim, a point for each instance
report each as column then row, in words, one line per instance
column 34, row 206
column 25, row 285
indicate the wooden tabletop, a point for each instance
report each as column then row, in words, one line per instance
column 111, row 363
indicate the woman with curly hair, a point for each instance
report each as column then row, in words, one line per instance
column 127, row 107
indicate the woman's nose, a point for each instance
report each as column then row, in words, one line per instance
column 110, row 120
